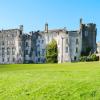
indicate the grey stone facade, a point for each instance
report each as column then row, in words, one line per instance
column 27, row 47
column 11, row 46
column 75, row 42
column 18, row 47
column 89, row 32
column 39, row 47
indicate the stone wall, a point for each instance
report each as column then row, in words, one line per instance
column 89, row 32
column 10, row 46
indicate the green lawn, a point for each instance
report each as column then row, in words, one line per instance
column 70, row 81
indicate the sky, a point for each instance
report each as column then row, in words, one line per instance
column 33, row 14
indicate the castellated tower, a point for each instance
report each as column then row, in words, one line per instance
column 88, row 32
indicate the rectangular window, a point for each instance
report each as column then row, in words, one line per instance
column 13, row 51
column 8, row 51
column 77, row 42
column 26, row 44
column 13, row 59
column 26, row 52
column 8, row 59
column 3, row 51
column 43, row 52
column 3, row 43
column 3, row 60
column 66, row 41
column 35, row 53
column 20, row 33
column 66, row 49
column 76, row 50
column 38, row 53
column 38, row 59
column 42, row 41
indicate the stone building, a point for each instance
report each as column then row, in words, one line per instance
column 75, row 45
column 11, row 46
column 27, row 47
column 71, row 44
column 68, row 43
column 89, row 32
column 18, row 47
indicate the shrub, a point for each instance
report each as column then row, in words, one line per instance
column 92, row 57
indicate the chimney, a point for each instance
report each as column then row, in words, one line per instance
column 21, row 27
column 46, row 27
column 80, row 23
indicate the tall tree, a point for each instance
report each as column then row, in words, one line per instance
column 52, row 52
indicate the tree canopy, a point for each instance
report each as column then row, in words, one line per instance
column 52, row 52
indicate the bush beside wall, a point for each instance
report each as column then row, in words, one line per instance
column 91, row 57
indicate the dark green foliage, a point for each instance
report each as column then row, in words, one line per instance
column 52, row 52
column 82, row 58
column 94, row 57
column 91, row 57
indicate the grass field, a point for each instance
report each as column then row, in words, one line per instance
column 70, row 81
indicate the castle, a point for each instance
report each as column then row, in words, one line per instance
column 19, row 47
